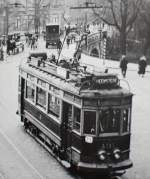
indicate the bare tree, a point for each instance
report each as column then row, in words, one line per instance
column 39, row 10
column 145, row 18
column 122, row 15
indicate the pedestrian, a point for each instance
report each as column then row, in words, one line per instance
column 33, row 42
column 68, row 42
column 59, row 46
column 142, row 65
column 53, row 59
column 123, row 65
column 8, row 46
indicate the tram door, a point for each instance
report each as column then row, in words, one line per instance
column 22, row 96
column 66, row 125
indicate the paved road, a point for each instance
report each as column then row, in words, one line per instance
column 21, row 157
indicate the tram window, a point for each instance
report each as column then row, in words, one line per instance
column 42, row 83
column 90, row 122
column 30, row 91
column 70, row 114
column 41, row 97
column 91, row 102
column 77, row 113
column 32, row 78
column 67, row 114
column 125, row 120
column 53, row 105
column 19, row 83
column 109, row 120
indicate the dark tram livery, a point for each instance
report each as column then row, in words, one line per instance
column 85, row 119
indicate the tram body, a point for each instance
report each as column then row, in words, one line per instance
column 85, row 119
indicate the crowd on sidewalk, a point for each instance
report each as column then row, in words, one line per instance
column 32, row 42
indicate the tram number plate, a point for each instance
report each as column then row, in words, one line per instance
column 89, row 139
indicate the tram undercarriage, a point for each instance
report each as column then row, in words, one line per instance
column 58, row 153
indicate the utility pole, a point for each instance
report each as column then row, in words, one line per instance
column 37, row 16
column 27, row 21
column 6, row 18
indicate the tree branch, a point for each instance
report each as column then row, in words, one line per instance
column 102, row 18
column 136, row 8
column 114, row 15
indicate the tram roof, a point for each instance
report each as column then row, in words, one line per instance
column 78, row 83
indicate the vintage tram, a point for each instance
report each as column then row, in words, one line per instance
column 84, row 118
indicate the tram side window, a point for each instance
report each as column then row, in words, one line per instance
column 41, row 97
column 19, row 83
column 125, row 120
column 30, row 91
column 109, row 120
column 77, row 114
column 67, row 114
column 53, row 105
column 90, row 122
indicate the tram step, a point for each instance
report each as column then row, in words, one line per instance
column 65, row 164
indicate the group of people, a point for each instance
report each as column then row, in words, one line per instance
column 31, row 40
column 11, row 46
column 141, row 65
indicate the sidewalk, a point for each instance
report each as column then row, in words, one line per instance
column 99, row 63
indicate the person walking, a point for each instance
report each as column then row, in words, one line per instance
column 123, row 65
column 8, row 46
column 68, row 41
column 59, row 46
column 33, row 42
column 142, row 66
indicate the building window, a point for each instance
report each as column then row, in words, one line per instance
column 53, row 105
column 77, row 113
column 41, row 97
column 90, row 122
column 30, row 91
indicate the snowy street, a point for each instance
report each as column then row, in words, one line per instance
column 23, row 158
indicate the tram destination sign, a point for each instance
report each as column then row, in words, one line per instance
column 98, row 82
column 106, row 80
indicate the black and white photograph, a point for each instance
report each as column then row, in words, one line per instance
column 74, row 89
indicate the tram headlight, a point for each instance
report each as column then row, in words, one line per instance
column 102, row 155
column 117, row 154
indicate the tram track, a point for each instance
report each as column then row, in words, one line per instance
column 15, row 148
column 14, row 117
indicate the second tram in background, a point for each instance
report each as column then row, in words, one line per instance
column 52, row 34
column 85, row 119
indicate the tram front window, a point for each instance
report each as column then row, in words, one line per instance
column 125, row 120
column 109, row 120
column 90, row 122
